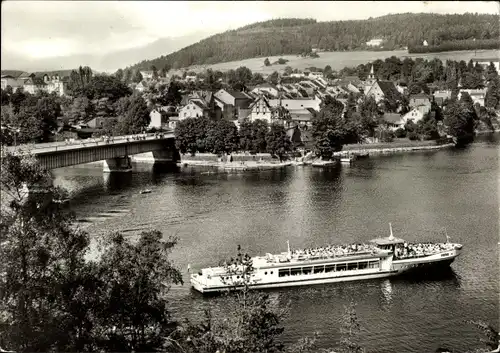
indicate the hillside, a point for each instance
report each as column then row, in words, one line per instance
column 296, row 36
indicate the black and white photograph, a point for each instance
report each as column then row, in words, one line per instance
column 250, row 176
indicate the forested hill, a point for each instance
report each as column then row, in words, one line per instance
column 296, row 36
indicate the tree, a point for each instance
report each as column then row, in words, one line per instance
column 260, row 129
column 427, row 127
column 104, row 86
column 273, row 78
column 370, row 115
column 173, row 95
column 155, row 72
column 52, row 298
column 42, row 256
column 328, row 70
column 350, row 330
column 459, row 121
column 81, row 109
column 491, row 72
column 137, row 117
column 245, row 135
column 492, row 98
column 137, row 77
column 257, row 78
column 277, row 141
column 47, row 112
column 119, row 74
column 185, row 136
column 328, row 129
column 133, row 282
column 250, row 323
column 267, row 62
column 223, row 137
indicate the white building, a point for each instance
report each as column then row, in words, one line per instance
column 375, row 42
column 425, row 44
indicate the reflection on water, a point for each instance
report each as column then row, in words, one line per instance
column 421, row 193
column 387, row 290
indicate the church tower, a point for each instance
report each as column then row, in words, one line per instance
column 371, row 76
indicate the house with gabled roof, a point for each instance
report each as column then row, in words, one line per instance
column 261, row 109
column 383, row 89
column 231, row 102
column 34, row 84
column 196, row 108
column 12, row 81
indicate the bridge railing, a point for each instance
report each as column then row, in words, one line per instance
column 75, row 144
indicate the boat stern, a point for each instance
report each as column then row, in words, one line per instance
column 197, row 282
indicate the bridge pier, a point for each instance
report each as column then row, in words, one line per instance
column 118, row 164
column 165, row 156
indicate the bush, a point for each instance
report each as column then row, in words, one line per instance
column 413, row 136
column 387, row 136
column 400, row 133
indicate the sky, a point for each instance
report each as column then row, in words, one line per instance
column 44, row 29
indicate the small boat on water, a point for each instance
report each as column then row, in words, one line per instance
column 362, row 155
column 147, row 191
column 382, row 257
column 322, row 163
column 347, row 160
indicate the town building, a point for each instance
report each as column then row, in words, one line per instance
column 266, row 87
column 160, row 117
column 12, row 81
column 477, row 95
column 141, row 86
column 231, row 102
column 485, row 62
column 147, row 75
column 298, row 103
column 421, row 101
column 194, row 109
column 393, row 121
column 383, row 89
column 261, row 109
column 376, row 42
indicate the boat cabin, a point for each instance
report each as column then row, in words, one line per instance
column 390, row 243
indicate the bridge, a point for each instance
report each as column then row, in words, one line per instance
column 113, row 151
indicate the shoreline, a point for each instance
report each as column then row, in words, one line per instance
column 266, row 165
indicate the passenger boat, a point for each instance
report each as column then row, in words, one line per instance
column 324, row 265
column 347, row 160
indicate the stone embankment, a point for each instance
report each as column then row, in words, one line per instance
column 388, row 150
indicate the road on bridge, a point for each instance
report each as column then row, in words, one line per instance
column 86, row 143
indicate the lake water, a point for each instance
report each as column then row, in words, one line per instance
column 420, row 193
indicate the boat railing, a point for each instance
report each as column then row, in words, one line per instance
column 332, row 255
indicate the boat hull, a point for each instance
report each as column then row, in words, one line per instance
column 426, row 263
column 293, row 283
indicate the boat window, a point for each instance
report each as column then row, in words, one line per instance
column 373, row 264
column 341, row 267
column 330, row 268
column 319, row 269
column 295, row 271
column 306, row 270
column 352, row 266
column 362, row 265
column 284, row 272
column 265, row 273
column 271, row 272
